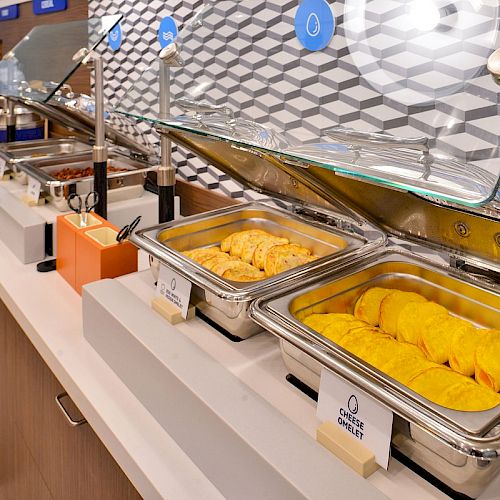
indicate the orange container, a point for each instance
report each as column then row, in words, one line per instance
column 68, row 226
column 99, row 255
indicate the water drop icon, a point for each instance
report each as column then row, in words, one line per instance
column 313, row 25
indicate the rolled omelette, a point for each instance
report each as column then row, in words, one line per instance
column 413, row 318
column 359, row 340
column 385, row 348
column 338, row 328
column 488, row 360
column 403, row 369
column 463, row 348
column 433, row 383
column 367, row 307
column 319, row 322
column 437, row 337
column 469, row 397
column 391, row 307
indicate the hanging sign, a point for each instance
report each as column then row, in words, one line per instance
column 314, row 24
column 115, row 38
column 362, row 417
column 7, row 13
column 47, row 6
column 167, row 33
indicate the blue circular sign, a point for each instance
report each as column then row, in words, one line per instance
column 314, row 24
column 167, row 33
column 115, row 38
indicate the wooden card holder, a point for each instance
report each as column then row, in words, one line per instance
column 347, row 449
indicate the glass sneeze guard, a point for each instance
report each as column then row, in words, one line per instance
column 409, row 72
column 39, row 65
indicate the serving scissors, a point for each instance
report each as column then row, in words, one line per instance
column 88, row 207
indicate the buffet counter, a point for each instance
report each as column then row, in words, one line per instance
column 49, row 312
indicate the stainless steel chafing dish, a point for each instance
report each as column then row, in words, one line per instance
column 121, row 185
column 460, row 448
column 227, row 302
column 15, row 153
column 38, row 159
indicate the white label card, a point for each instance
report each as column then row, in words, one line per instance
column 34, row 189
column 356, row 413
column 3, row 168
column 174, row 288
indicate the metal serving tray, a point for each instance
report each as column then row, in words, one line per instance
column 130, row 183
column 227, row 302
column 460, row 448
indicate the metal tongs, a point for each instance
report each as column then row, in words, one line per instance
column 359, row 140
column 86, row 206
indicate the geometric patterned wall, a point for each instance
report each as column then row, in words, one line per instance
column 435, row 84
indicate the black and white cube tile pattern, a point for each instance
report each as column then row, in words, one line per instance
column 379, row 73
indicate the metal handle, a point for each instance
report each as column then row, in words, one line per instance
column 381, row 141
column 73, row 423
column 204, row 108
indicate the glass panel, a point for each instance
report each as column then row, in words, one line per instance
column 413, row 71
column 45, row 58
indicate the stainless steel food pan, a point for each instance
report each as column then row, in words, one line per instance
column 460, row 448
column 121, row 185
column 227, row 302
column 15, row 153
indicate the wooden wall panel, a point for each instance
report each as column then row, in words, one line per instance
column 12, row 31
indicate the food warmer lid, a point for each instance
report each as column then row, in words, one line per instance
column 35, row 71
column 415, row 157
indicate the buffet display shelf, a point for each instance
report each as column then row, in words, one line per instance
column 49, row 312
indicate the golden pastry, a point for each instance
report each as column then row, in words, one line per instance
column 247, row 255
column 367, row 307
column 201, row 253
column 226, row 265
column 217, row 259
column 488, row 360
column 462, row 356
column 278, row 252
column 239, row 240
column 437, row 336
column 413, row 318
column 287, row 262
column 392, row 305
column 244, row 275
column 259, row 256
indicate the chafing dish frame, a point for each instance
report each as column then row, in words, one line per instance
column 473, row 434
column 227, row 302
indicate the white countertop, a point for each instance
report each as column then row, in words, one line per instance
column 49, row 311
